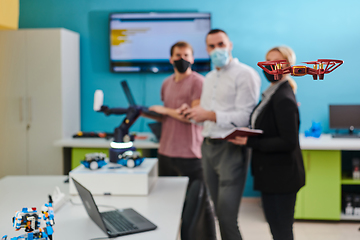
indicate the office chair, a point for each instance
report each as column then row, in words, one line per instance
column 195, row 223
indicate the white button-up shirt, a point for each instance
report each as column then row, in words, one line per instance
column 232, row 93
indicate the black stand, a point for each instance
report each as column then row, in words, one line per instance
column 351, row 134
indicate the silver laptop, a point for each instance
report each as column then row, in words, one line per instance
column 117, row 222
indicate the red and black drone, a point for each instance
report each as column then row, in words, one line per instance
column 320, row 67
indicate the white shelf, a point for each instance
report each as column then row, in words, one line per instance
column 349, row 217
column 104, row 143
column 326, row 142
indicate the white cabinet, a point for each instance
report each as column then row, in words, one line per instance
column 39, row 98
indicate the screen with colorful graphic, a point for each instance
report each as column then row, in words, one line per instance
column 141, row 42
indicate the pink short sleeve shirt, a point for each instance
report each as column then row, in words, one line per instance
column 180, row 139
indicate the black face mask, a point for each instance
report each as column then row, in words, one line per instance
column 181, row 65
column 270, row 77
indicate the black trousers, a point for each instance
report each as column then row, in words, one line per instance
column 192, row 168
column 279, row 213
column 225, row 169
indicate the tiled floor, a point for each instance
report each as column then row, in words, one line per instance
column 254, row 227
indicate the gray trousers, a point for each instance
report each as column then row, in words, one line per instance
column 225, row 168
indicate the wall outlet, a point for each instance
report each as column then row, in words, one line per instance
column 58, row 198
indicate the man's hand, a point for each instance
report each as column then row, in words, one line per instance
column 159, row 109
column 198, row 114
column 182, row 108
column 239, row 140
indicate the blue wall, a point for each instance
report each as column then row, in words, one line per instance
column 314, row 29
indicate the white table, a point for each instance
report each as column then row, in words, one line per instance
column 163, row 207
column 69, row 143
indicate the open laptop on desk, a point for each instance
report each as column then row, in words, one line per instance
column 113, row 223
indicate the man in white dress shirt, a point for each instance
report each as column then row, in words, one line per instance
column 230, row 93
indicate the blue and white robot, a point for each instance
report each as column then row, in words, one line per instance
column 94, row 160
column 30, row 220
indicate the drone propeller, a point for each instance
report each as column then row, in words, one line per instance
column 331, row 64
column 330, row 60
column 311, row 62
column 274, row 68
column 275, row 65
column 273, row 62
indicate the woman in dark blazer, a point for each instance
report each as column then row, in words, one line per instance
column 277, row 164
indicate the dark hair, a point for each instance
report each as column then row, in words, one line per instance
column 213, row 31
column 181, row 44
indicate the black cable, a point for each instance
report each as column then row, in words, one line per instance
column 78, row 204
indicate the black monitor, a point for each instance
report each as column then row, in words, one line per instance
column 141, row 42
column 344, row 117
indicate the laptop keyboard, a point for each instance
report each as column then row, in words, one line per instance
column 118, row 221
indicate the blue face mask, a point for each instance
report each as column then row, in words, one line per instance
column 220, row 57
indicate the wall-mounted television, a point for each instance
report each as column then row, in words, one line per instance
column 141, row 42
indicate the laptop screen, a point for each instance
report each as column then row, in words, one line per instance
column 90, row 205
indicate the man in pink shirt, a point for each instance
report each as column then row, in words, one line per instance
column 179, row 153
column 180, row 144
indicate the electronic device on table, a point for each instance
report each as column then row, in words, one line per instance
column 113, row 223
column 122, row 149
column 345, row 117
column 141, row 42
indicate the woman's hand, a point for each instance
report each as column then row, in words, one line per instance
column 239, row 140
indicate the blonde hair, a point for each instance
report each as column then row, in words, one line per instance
column 290, row 56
